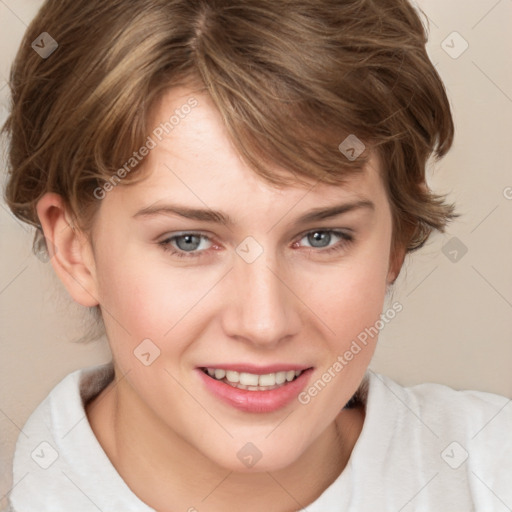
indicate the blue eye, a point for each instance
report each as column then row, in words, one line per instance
column 184, row 245
column 189, row 245
column 321, row 239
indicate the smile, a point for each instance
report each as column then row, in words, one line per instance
column 255, row 389
column 251, row 381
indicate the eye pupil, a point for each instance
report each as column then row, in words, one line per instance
column 319, row 236
column 191, row 242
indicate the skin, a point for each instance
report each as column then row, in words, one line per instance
column 167, row 436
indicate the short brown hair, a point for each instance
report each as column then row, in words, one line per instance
column 290, row 78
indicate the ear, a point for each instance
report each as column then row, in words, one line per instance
column 399, row 251
column 69, row 250
column 396, row 261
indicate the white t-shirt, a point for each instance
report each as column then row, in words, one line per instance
column 422, row 448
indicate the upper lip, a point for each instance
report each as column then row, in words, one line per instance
column 258, row 370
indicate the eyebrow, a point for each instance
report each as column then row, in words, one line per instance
column 208, row 215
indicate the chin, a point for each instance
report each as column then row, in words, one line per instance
column 255, row 457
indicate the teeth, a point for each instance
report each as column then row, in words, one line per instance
column 249, row 379
column 252, row 381
column 219, row 374
column 280, row 377
column 270, row 379
column 232, row 376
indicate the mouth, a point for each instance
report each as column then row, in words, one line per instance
column 253, row 381
column 255, row 389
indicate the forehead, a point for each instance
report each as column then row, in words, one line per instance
column 197, row 163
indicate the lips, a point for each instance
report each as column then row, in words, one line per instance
column 262, row 389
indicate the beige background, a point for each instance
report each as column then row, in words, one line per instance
column 456, row 325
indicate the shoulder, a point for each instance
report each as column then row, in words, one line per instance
column 64, row 405
column 58, row 462
column 467, row 419
column 455, row 445
column 444, row 407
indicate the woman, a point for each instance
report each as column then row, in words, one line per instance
column 232, row 187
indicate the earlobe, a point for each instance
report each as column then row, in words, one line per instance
column 69, row 250
column 395, row 264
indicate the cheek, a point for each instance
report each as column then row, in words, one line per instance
column 145, row 297
column 349, row 297
column 350, row 310
column 349, row 301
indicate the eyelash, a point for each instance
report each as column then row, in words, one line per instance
column 345, row 240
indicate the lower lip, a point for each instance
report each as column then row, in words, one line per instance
column 256, row 401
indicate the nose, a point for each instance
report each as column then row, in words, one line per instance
column 263, row 309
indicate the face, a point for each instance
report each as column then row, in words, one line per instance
column 264, row 291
